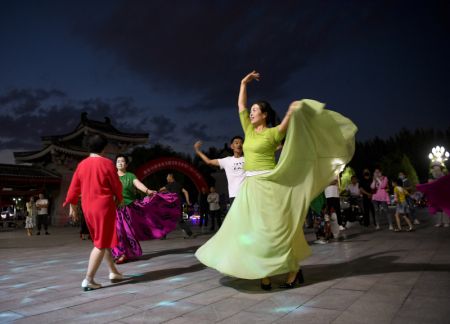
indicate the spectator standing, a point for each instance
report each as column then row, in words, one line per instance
column 380, row 198
column 334, row 202
column 214, row 209
column 42, row 214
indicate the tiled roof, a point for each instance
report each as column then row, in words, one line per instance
column 11, row 171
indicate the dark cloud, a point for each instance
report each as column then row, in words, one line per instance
column 25, row 101
column 161, row 128
column 208, row 46
column 26, row 114
column 198, row 131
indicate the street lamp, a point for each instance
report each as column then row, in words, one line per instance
column 439, row 154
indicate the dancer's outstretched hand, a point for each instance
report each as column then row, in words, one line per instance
column 197, row 145
column 250, row 77
column 295, row 105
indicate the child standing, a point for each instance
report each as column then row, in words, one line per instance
column 402, row 206
column 31, row 216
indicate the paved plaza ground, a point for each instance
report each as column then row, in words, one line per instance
column 366, row 277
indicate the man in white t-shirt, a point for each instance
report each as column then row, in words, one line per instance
column 42, row 214
column 334, row 202
column 233, row 165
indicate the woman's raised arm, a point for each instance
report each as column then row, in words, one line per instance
column 242, row 100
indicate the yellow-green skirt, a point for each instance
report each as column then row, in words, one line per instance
column 262, row 234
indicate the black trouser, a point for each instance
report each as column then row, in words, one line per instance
column 185, row 226
column 335, row 203
column 215, row 216
column 204, row 216
column 42, row 220
column 231, row 201
column 368, row 209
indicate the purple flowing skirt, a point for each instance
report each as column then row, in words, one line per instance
column 437, row 194
column 145, row 219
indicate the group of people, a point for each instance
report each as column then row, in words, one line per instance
column 37, row 213
column 372, row 194
column 262, row 234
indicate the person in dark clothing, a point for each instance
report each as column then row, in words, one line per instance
column 204, row 207
column 366, row 191
column 174, row 187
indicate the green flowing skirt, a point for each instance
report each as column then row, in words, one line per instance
column 262, row 234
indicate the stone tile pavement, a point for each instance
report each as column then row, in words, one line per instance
column 366, row 277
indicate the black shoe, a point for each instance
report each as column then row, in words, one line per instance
column 266, row 287
column 38, row 233
column 47, row 233
column 298, row 278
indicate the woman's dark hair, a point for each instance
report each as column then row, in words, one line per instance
column 127, row 160
column 272, row 119
column 236, row 137
column 96, row 143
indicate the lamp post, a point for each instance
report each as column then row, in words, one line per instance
column 439, row 154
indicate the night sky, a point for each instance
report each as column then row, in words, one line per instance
column 173, row 68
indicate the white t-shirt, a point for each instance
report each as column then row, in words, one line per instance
column 42, row 210
column 234, row 169
column 354, row 189
column 332, row 191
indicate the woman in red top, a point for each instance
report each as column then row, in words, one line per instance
column 96, row 180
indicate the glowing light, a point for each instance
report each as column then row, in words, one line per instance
column 165, row 303
column 10, row 316
column 194, row 219
column 246, row 239
column 439, row 155
column 286, row 309
column 338, row 166
column 26, row 300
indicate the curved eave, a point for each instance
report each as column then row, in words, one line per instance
column 138, row 139
column 48, row 149
column 29, row 179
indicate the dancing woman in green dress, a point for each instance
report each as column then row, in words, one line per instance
column 262, row 235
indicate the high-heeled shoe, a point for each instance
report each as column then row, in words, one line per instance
column 90, row 285
column 116, row 277
column 298, row 278
column 121, row 260
column 266, row 286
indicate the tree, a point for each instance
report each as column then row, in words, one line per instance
column 346, row 177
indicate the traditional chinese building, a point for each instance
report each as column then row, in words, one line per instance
column 59, row 157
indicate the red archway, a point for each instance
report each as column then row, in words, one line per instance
column 173, row 163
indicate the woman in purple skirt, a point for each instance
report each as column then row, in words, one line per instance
column 137, row 220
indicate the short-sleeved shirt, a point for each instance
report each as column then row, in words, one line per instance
column 259, row 147
column 234, row 169
column 128, row 190
column 400, row 194
column 42, row 210
column 332, row 191
column 354, row 189
column 31, row 208
column 174, row 187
